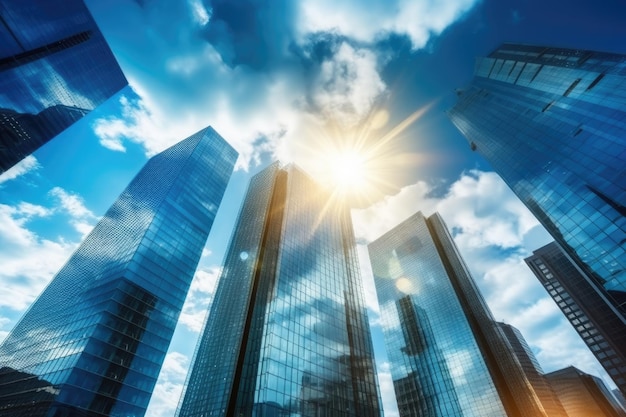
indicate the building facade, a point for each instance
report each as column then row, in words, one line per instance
column 583, row 395
column 532, row 370
column 552, row 123
column 448, row 356
column 55, row 66
column 595, row 320
column 94, row 341
column 287, row 333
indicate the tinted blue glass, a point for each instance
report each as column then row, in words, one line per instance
column 55, row 66
column 436, row 364
column 94, row 341
column 552, row 123
column 594, row 320
column 288, row 332
column 447, row 356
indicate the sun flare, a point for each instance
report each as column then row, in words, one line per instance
column 348, row 170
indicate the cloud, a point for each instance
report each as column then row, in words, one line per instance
column 418, row 20
column 266, row 75
column 28, row 261
column 347, row 85
column 199, row 298
column 387, row 392
column 169, row 386
column 81, row 217
column 23, row 167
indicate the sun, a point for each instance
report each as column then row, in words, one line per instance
column 348, row 170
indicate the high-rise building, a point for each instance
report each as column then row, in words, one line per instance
column 583, row 395
column 55, row 66
column 287, row 332
column 448, row 356
column 94, row 341
column 533, row 371
column 552, row 123
column 597, row 322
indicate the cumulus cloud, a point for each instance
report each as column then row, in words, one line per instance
column 387, row 392
column 418, row 20
column 199, row 298
column 23, row 167
column 28, row 261
column 263, row 74
column 169, row 386
column 81, row 217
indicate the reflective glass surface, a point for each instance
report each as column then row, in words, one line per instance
column 582, row 394
column 552, row 123
column 533, row 371
column 597, row 323
column 448, row 356
column 55, row 67
column 93, row 343
column 436, row 363
column 287, row 334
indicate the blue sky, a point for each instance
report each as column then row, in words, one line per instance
column 296, row 80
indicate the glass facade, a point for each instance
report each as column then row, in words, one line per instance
column 583, row 395
column 94, row 341
column 287, row 333
column 552, row 123
column 595, row 320
column 533, row 371
column 448, row 357
column 55, row 66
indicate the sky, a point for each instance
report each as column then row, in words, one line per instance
column 304, row 81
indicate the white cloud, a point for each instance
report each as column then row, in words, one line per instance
column 81, row 217
column 273, row 111
column 169, row 386
column 387, row 392
column 72, row 203
column 199, row 298
column 28, row 261
column 347, row 85
column 419, row 20
column 25, row 166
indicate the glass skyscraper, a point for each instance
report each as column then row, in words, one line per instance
column 596, row 321
column 584, row 395
column 55, row 66
column 533, row 371
column 448, row 356
column 94, row 341
column 552, row 123
column 287, row 333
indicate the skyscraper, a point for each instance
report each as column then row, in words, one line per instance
column 596, row 321
column 94, row 341
column 533, row 371
column 287, row 333
column 55, row 66
column 583, row 395
column 551, row 122
column 448, row 356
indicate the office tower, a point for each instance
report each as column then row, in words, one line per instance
column 94, row 341
column 287, row 333
column 55, row 66
column 619, row 397
column 583, row 395
column 533, row 371
column 448, row 357
column 597, row 322
column 551, row 122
